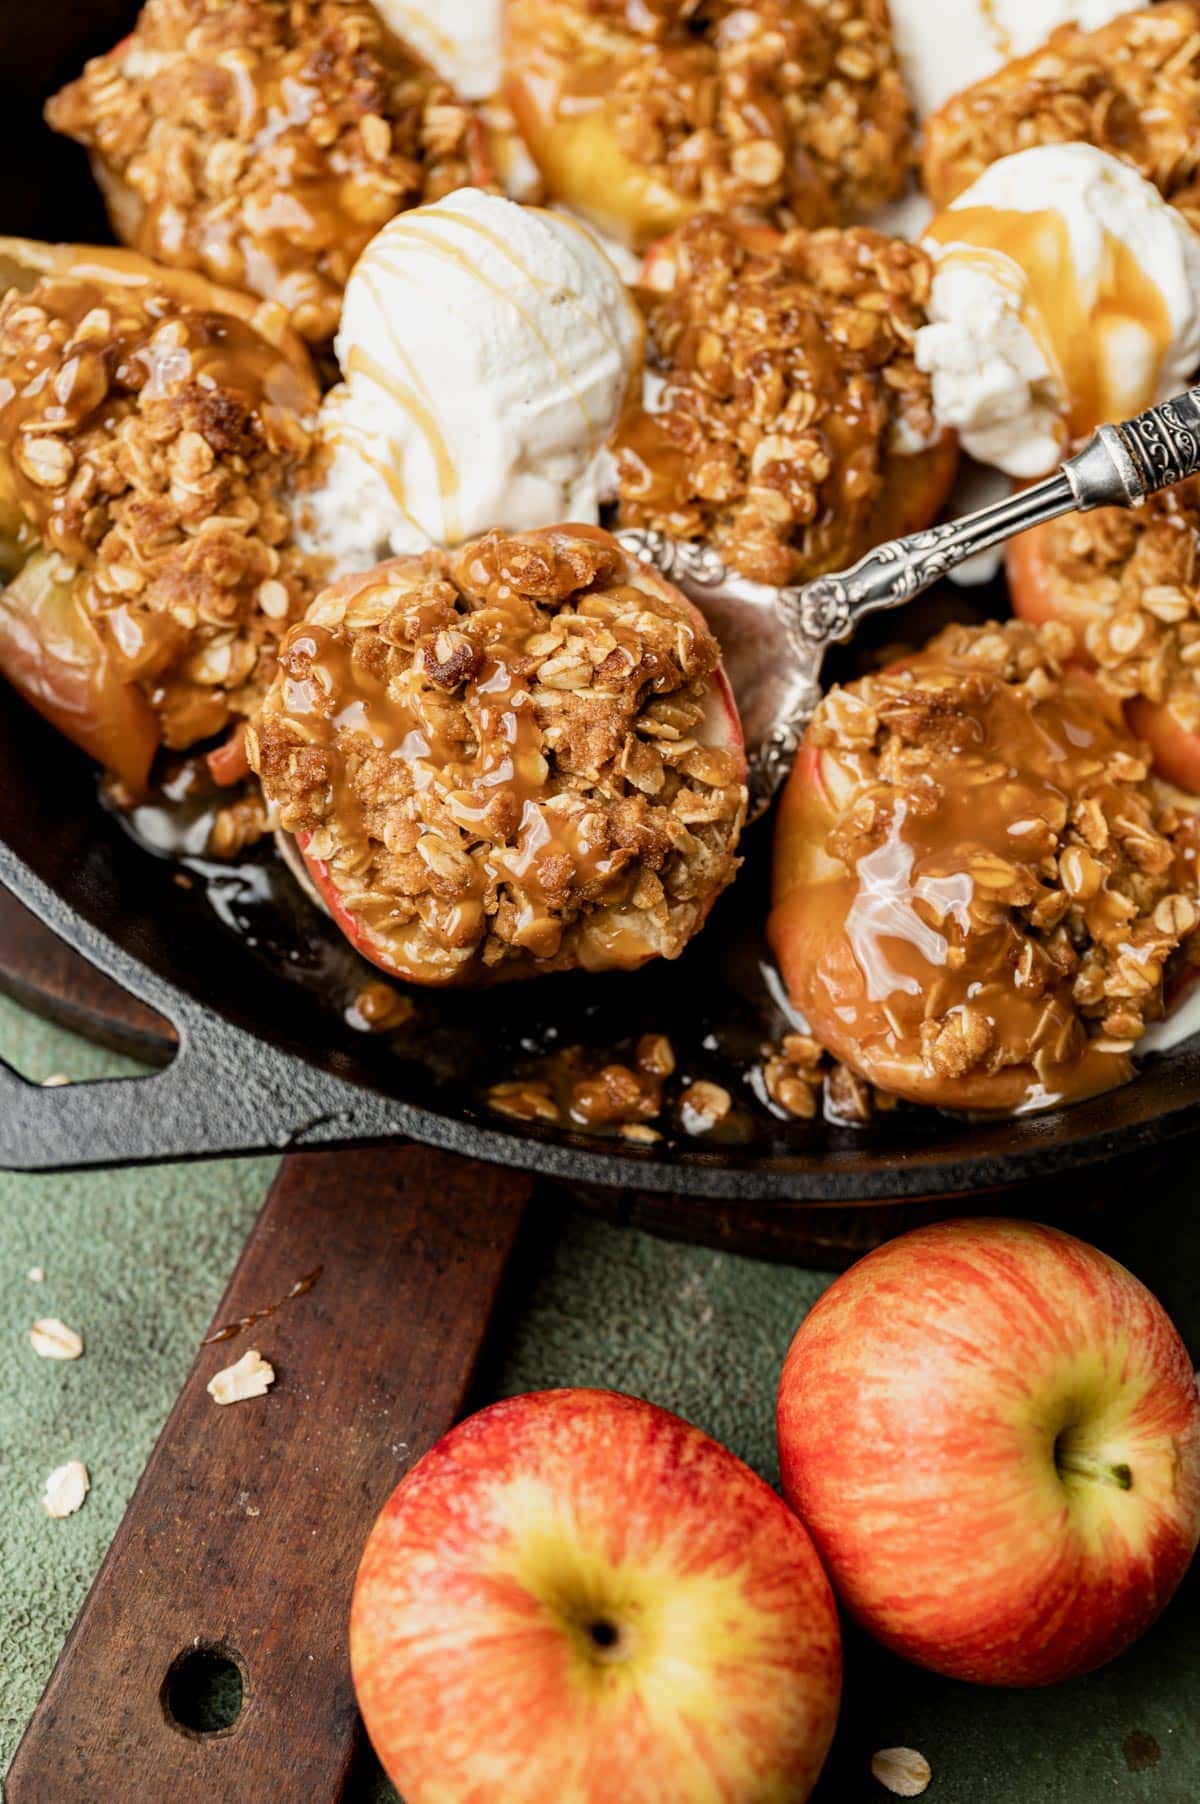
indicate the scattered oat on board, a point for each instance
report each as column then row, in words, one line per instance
column 55, row 1081
column 66, row 1488
column 250, row 1377
column 52, row 1339
column 902, row 1771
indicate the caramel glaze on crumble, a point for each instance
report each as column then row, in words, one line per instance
column 1131, row 88
column 1003, row 883
column 788, row 396
column 147, row 444
column 1136, row 574
column 266, row 141
column 790, row 109
column 497, row 759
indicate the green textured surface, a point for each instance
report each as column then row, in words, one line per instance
column 137, row 1261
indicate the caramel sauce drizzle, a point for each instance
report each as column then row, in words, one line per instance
column 915, row 909
column 502, row 758
column 231, row 1330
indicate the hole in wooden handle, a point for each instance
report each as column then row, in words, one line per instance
column 203, row 1691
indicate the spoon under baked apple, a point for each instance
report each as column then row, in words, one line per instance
column 774, row 640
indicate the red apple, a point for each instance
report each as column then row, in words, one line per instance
column 577, row 1598
column 992, row 1431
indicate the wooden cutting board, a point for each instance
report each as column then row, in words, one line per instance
column 244, row 1533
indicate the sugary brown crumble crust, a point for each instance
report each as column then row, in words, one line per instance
column 792, row 108
column 789, row 380
column 1131, row 88
column 265, row 141
column 614, row 679
column 161, row 485
column 1140, row 568
column 1099, row 895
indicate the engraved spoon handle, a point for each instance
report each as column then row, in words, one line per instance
column 775, row 639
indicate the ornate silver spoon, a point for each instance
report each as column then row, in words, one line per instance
column 775, row 640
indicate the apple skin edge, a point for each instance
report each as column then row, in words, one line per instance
column 54, row 655
column 722, row 727
column 1036, row 597
column 576, row 1598
column 992, row 1432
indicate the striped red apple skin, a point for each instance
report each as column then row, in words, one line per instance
column 578, row 1598
column 992, row 1432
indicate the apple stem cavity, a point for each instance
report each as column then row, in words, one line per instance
column 1070, row 1462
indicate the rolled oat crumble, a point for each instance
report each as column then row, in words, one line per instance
column 149, row 427
column 506, row 761
column 1133, row 577
column 980, row 890
column 265, row 141
column 643, row 111
column 792, row 427
column 1131, row 88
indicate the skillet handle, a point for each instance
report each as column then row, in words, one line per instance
column 225, row 1091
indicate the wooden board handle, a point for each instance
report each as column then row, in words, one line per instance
column 245, row 1531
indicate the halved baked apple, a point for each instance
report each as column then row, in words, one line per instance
column 265, row 142
column 977, row 897
column 1128, row 583
column 1132, row 88
column 518, row 758
column 640, row 116
column 785, row 419
column 149, row 425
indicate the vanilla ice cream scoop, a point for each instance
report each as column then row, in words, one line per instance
column 945, row 49
column 1066, row 294
column 486, row 350
column 461, row 38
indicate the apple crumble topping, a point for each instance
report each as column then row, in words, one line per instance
column 791, row 109
column 1137, row 571
column 788, row 410
column 1131, row 88
column 515, row 758
column 146, row 442
column 265, row 141
column 1001, row 884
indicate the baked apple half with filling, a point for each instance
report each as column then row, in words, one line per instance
column 640, row 113
column 150, row 424
column 1128, row 583
column 785, row 420
column 266, row 141
column 520, row 757
column 1130, row 87
column 978, row 893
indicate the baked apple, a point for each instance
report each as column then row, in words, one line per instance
column 149, row 425
column 1128, row 583
column 976, row 895
column 266, row 141
column 1131, row 88
column 518, row 758
column 785, row 420
column 642, row 114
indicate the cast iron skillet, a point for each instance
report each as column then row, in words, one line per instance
column 258, row 985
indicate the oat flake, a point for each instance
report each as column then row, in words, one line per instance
column 250, row 1377
column 66, row 1488
column 902, row 1771
column 52, row 1339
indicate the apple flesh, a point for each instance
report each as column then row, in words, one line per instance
column 992, row 1432
column 577, row 1598
column 1039, row 595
